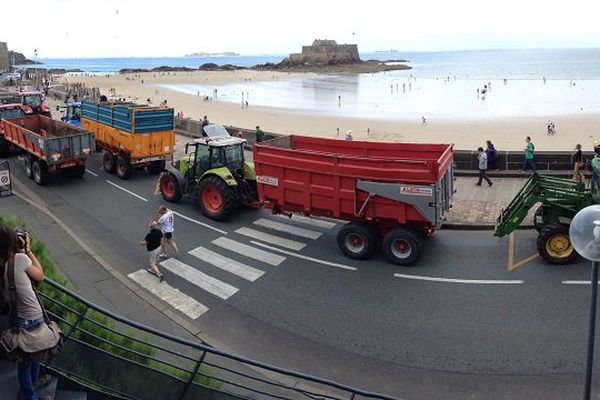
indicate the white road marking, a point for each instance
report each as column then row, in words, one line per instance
column 125, row 190
column 319, row 223
column 272, row 239
column 289, row 253
column 237, row 268
column 249, row 251
column 294, row 230
column 200, row 279
column 200, row 223
column 450, row 280
column 577, row 282
column 90, row 172
column 169, row 294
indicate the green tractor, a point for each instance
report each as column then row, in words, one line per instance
column 559, row 200
column 214, row 173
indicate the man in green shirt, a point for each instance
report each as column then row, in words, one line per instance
column 260, row 135
column 529, row 157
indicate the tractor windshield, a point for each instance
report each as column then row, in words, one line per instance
column 11, row 113
column 234, row 156
column 33, row 100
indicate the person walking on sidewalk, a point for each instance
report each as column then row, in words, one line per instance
column 152, row 241
column 578, row 163
column 483, row 165
column 259, row 135
column 492, row 155
column 529, row 161
column 166, row 222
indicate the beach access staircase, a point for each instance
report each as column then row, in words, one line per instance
column 111, row 357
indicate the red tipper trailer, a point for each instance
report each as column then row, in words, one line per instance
column 50, row 145
column 396, row 191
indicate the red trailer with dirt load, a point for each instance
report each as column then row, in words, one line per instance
column 49, row 146
column 393, row 193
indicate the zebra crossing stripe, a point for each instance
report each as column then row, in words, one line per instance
column 272, row 239
column 294, row 230
column 249, row 251
column 303, row 257
column 200, row 279
column 318, row 223
column 169, row 294
column 227, row 264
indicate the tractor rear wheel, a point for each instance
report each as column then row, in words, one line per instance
column 554, row 244
column 402, row 246
column 40, row 172
column 108, row 162
column 169, row 187
column 216, row 199
column 123, row 168
column 357, row 240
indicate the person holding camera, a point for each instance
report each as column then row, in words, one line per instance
column 15, row 252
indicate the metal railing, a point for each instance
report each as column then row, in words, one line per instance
column 114, row 355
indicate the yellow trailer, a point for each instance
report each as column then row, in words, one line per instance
column 131, row 136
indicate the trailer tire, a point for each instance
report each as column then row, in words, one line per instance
column 123, row 168
column 77, row 172
column 40, row 172
column 402, row 246
column 27, row 167
column 108, row 162
column 357, row 240
column 156, row 167
column 215, row 198
column 554, row 244
column 169, row 187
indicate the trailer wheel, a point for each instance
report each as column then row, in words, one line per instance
column 216, row 199
column 402, row 246
column 40, row 172
column 156, row 167
column 77, row 172
column 108, row 162
column 554, row 244
column 27, row 167
column 169, row 187
column 123, row 168
column 357, row 240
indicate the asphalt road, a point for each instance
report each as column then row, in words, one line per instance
column 459, row 325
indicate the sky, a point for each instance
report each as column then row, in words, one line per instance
column 173, row 28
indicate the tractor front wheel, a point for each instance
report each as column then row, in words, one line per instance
column 554, row 244
column 216, row 199
column 169, row 187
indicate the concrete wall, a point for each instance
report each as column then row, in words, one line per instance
column 4, row 62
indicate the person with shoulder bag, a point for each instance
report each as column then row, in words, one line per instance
column 32, row 337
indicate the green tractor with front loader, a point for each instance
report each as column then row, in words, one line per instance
column 214, row 173
column 558, row 201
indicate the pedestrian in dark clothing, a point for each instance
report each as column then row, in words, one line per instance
column 204, row 123
column 529, row 161
column 260, row 135
column 483, row 165
column 492, row 155
column 578, row 163
column 152, row 242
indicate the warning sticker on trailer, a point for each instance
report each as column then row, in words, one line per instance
column 416, row 191
column 268, row 180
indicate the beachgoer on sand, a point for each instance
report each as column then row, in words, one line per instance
column 349, row 135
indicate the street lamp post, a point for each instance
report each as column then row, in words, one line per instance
column 584, row 233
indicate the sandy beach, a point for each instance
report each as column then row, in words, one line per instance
column 507, row 133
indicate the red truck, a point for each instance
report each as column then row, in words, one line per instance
column 50, row 145
column 394, row 192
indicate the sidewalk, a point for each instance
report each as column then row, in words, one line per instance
column 479, row 206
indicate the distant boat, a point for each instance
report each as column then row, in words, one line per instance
column 203, row 54
column 386, row 51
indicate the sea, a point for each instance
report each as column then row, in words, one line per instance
column 452, row 84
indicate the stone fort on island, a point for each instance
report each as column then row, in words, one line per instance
column 323, row 52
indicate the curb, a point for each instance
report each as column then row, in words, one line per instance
column 465, row 226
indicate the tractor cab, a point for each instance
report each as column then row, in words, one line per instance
column 71, row 113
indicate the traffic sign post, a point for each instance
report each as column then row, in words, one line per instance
column 5, row 181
